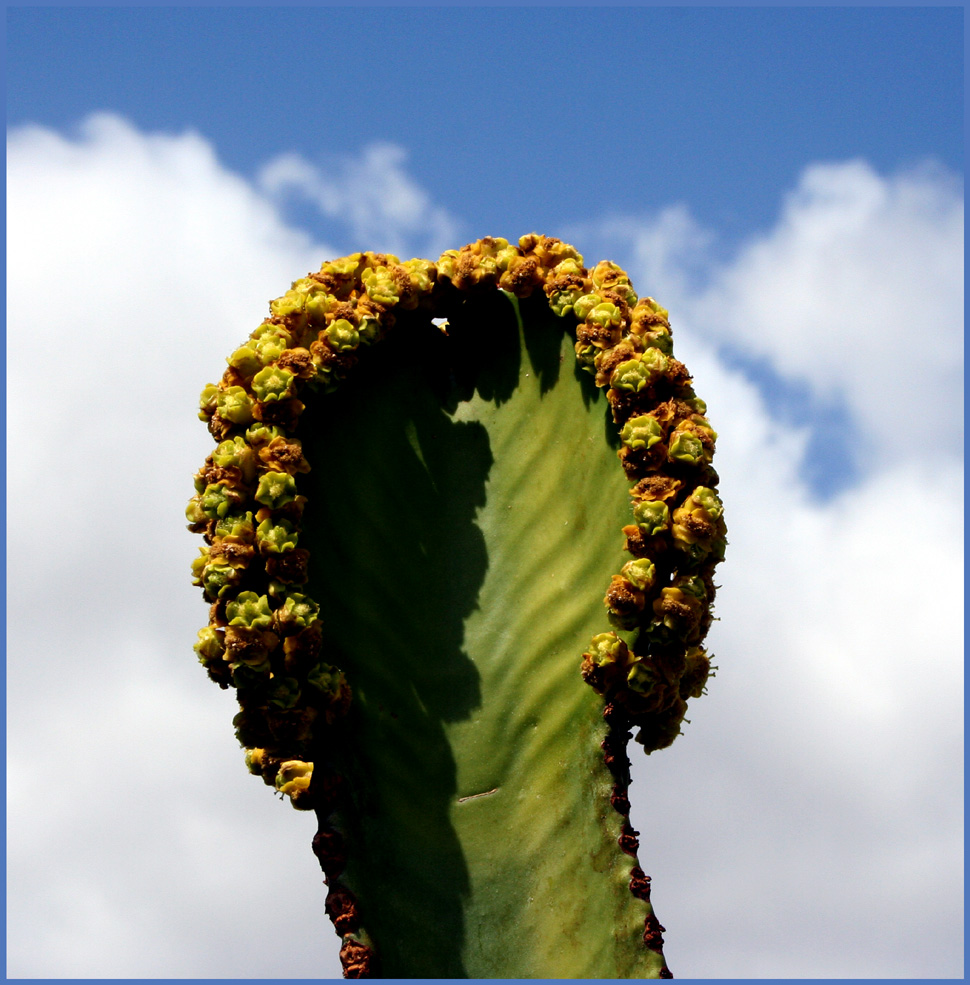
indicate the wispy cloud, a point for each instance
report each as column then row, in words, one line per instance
column 372, row 195
column 823, row 768
column 859, row 291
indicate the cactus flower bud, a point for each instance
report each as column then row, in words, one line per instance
column 296, row 613
column 652, row 516
column 250, row 610
column 381, row 285
column 679, row 609
column 605, row 315
column 658, row 338
column 272, row 383
column 448, row 264
column 285, row 694
column 210, row 645
column 236, row 526
column 708, row 500
column 641, row 432
column 235, row 405
column 219, row 499
column 698, row 527
column 274, row 538
column 255, row 758
column 194, row 512
column 421, row 274
column 293, row 780
column 604, row 663
column 606, row 649
column 636, row 374
column 608, row 276
column 269, row 342
column 250, row 676
column 583, row 306
column 685, row 448
column 369, row 331
column 236, row 453
column 625, row 602
column 643, row 678
column 198, row 565
column 332, row 685
column 522, row 275
column 246, row 360
column 208, row 401
column 292, row 770
column 696, row 672
column 564, row 294
column 260, row 434
column 318, row 305
column 338, row 276
column 290, row 305
column 342, row 336
column 219, row 577
column 641, row 572
column 275, row 489
column 692, row 442
column 549, row 250
column 586, row 355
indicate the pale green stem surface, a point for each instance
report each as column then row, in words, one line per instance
column 462, row 536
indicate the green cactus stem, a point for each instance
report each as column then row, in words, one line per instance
column 411, row 516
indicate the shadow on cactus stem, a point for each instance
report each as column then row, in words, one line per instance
column 400, row 563
column 420, row 684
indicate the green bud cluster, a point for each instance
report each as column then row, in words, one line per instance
column 264, row 636
column 665, row 595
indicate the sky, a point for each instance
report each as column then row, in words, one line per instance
column 788, row 182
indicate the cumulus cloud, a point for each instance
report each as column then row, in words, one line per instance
column 138, row 848
column 859, row 290
column 818, row 784
column 372, row 195
column 855, row 296
column 836, row 717
column 820, row 780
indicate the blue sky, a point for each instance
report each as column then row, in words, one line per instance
column 522, row 117
column 530, row 118
column 787, row 181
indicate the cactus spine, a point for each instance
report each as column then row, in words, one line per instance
column 420, row 685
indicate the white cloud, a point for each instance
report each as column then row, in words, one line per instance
column 134, row 262
column 372, row 194
column 819, row 782
column 859, row 291
column 856, row 293
column 825, row 767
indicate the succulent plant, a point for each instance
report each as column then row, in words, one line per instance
column 410, row 517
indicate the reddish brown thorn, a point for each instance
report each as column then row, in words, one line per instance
column 653, row 933
column 328, row 846
column 357, row 959
column 341, row 907
column 639, row 884
column 620, row 801
column 628, row 839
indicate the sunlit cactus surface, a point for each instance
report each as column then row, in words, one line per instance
column 426, row 476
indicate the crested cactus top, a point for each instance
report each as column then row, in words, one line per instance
column 266, row 635
column 248, row 504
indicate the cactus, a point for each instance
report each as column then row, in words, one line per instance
column 420, row 684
